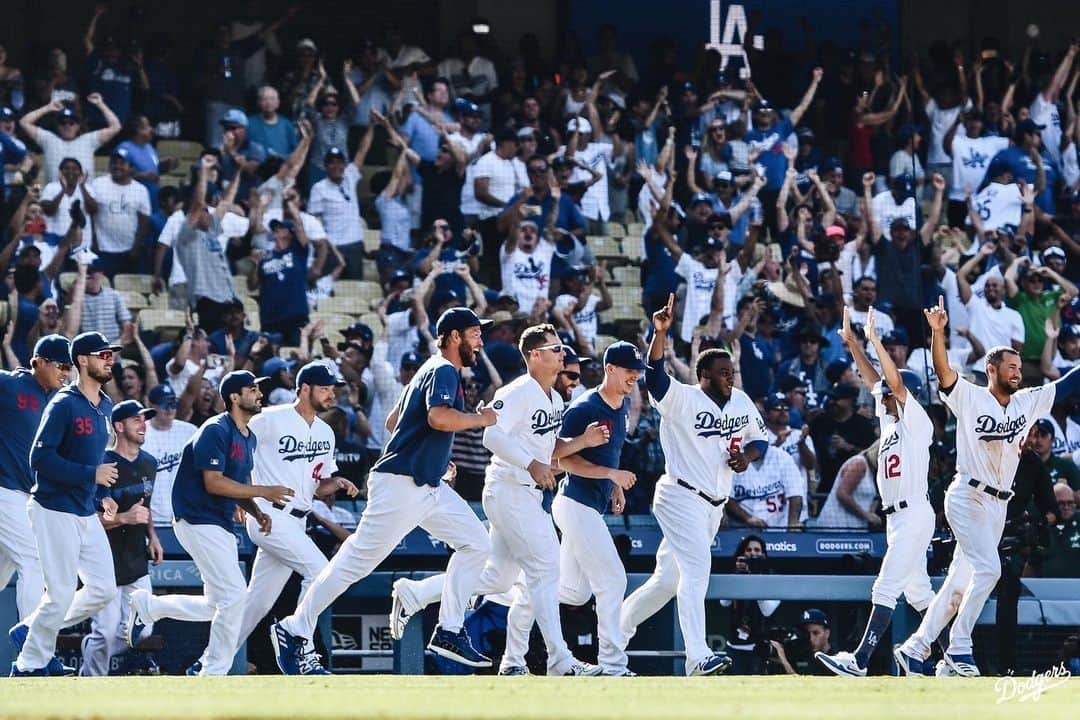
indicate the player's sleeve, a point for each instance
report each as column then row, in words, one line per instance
column 757, row 434
column 211, row 449
column 667, row 395
column 45, row 458
column 1042, row 397
column 502, row 437
column 915, row 422
column 443, row 388
column 955, row 397
column 575, row 420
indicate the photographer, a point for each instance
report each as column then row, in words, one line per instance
column 793, row 648
column 748, row 616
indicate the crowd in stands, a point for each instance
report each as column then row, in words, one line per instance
column 333, row 202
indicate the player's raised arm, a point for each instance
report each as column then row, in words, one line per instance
column 888, row 367
column 851, row 342
column 938, row 320
column 656, row 379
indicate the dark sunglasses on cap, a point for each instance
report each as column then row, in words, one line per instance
column 571, row 375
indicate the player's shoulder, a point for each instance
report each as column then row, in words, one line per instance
column 271, row 415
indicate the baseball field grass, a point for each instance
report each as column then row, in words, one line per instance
column 482, row 698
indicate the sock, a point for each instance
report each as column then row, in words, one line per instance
column 875, row 629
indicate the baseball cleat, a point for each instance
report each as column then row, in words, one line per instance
column 137, row 611
column 56, row 667
column 943, row 670
column 309, row 661
column 16, row 672
column 286, row 649
column 583, row 669
column 906, row 664
column 842, row 663
column 457, row 647
column 514, row 671
column 194, row 669
column 620, row 673
column 399, row 615
column 17, row 634
column 713, row 665
column 962, row 664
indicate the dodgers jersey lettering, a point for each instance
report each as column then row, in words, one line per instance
column 587, row 409
column 218, row 445
column 903, row 457
column 767, row 486
column 527, row 429
column 415, row 448
column 292, row 453
column 989, row 437
column 22, row 401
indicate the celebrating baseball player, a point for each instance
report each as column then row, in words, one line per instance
column 130, row 531
column 406, row 489
column 903, row 464
column 66, row 459
column 991, row 426
column 708, row 431
column 589, row 563
column 23, row 397
column 524, row 446
column 212, row 480
column 295, row 449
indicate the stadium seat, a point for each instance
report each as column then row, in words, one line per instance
column 368, row 292
column 633, row 248
column 616, row 230
column 134, row 300
column 101, row 165
column 151, row 319
column 635, row 229
column 251, row 307
column 627, row 312
column 335, row 321
column 372, row 321
column 627, row 275
column 180, row 149
column 288, row 352
column 372, row 239
column 240, row 287
column 159, row 301
column 604, row 247
column 67, row 279
column 602, row 341
column 342, row 305
column 123, row 282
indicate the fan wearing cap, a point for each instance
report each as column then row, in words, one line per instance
column 406, row 489
column 66, row 458
column 895, row 203
column 794, row 441
column 971, row 150
column 69, row 143
column 121, row 209
column 902, row 468
column 296, row 450
column 472, row 76
column 281, row 277
column 1061, row 351
column 130, row 532
column 334, row 201
column 701, row 273
column 709, row 431
column 1028, row 159
column 525, row 259
column 578, row 307
column 212, row 481
column 240, row 155
column 592, row 159
column 809, row 364
column 539, row 199
column 165, row 440
column 23, row 396
column 1036, row 292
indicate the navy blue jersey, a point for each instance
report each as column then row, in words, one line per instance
column 22, row 401
column 584, row 411
column 134, row 482
column 68, row 447
column 283, row 284
column 415, row 448
column 218, row 445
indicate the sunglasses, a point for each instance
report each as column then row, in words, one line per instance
column 556, row 348
column 61, row 366
column 169, row 405
column 103, row 355
column 571, row 375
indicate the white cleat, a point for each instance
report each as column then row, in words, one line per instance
column 943, row 670
column 580, row 668
column 399, row 615
column 962, row 665
column 842, row 663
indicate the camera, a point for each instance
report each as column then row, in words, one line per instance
column 795, row 643
column 1025, row 534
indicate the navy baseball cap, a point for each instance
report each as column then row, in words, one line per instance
column 1053, row 251
column 130, row 408
column 898, row 336
column 625, row 355
column 701, row 197
column 68, row 113
column 777, row 401
column 163, row 395
column 275, row 365
column 399, row 275
column 813, row 615
column 466, row 106
column 791, row 382
column 6, row 113
column 1029, row 125
column 411, row 359
column 334, row 152
column 53, row 348
column 91, row 342
column 1045, row 427
column 234, row 118
column 998, row 167
column 844, row 391
column 317, row 373
column 121, row 153
column 237, row 380
column 836, row 369
column 359, row 330
column 831, row 163
column 459, row 319
column 287, row 224
column 1070, row 331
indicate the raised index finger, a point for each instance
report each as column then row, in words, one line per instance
column 671, row 302
column 941, row 303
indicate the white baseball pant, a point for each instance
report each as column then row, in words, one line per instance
column 213, row 548
column 977, row 520
column 287, row 549
column 589, row 564
column 18, row 553
column 523, row 542
column 108, row 630
column 71, row 548
column 683, row 565
column 903, row 569
column 395, row 506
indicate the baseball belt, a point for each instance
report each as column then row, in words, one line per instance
column 992, row 492
column 292, row 511
column 712, row 501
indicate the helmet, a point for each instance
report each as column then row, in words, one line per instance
column 911, row 381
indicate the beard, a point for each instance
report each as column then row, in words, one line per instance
column 1005, row 387
column 103, row 375
column 467, row 355
column 253, row 407
column 319, row 406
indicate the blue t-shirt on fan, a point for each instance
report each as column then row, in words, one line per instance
column 587, row 409
column 218, row 445
column 771, row 142
column 283, row 284
column 22, row 401
column 415, row 448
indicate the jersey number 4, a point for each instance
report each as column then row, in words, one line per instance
column 892, row 467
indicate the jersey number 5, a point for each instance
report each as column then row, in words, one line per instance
column 892, row 467
column 734, row 446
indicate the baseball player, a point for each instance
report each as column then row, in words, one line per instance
column 23, row 396
column 165, row 440
column 66, row 459
column 992, row 424
column 213, row 479
column 130, row 532
column 524, row 446
column 708, row 431
column 588, row 561
column 902, row 468
column 406, row 489
column 295, row 449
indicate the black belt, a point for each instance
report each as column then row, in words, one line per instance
column 293, row 511
column 902, row 505
column 999, row 494
column 703, row 496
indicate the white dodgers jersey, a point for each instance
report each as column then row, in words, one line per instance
column 903, row 452
column 765, row 489
column 527, row 427
column 292, row 453
column 166, row 446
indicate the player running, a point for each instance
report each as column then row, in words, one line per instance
column 525, row 445
column 212, row 480
column 708, row 431
column 991, row 427
column 406, row 489
column 903, row 464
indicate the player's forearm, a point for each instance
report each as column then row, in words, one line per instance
column 218, row 484
column 583, row 468
column 735, row 510
column 447, row 419
column 249, row 506
column 946, row 375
